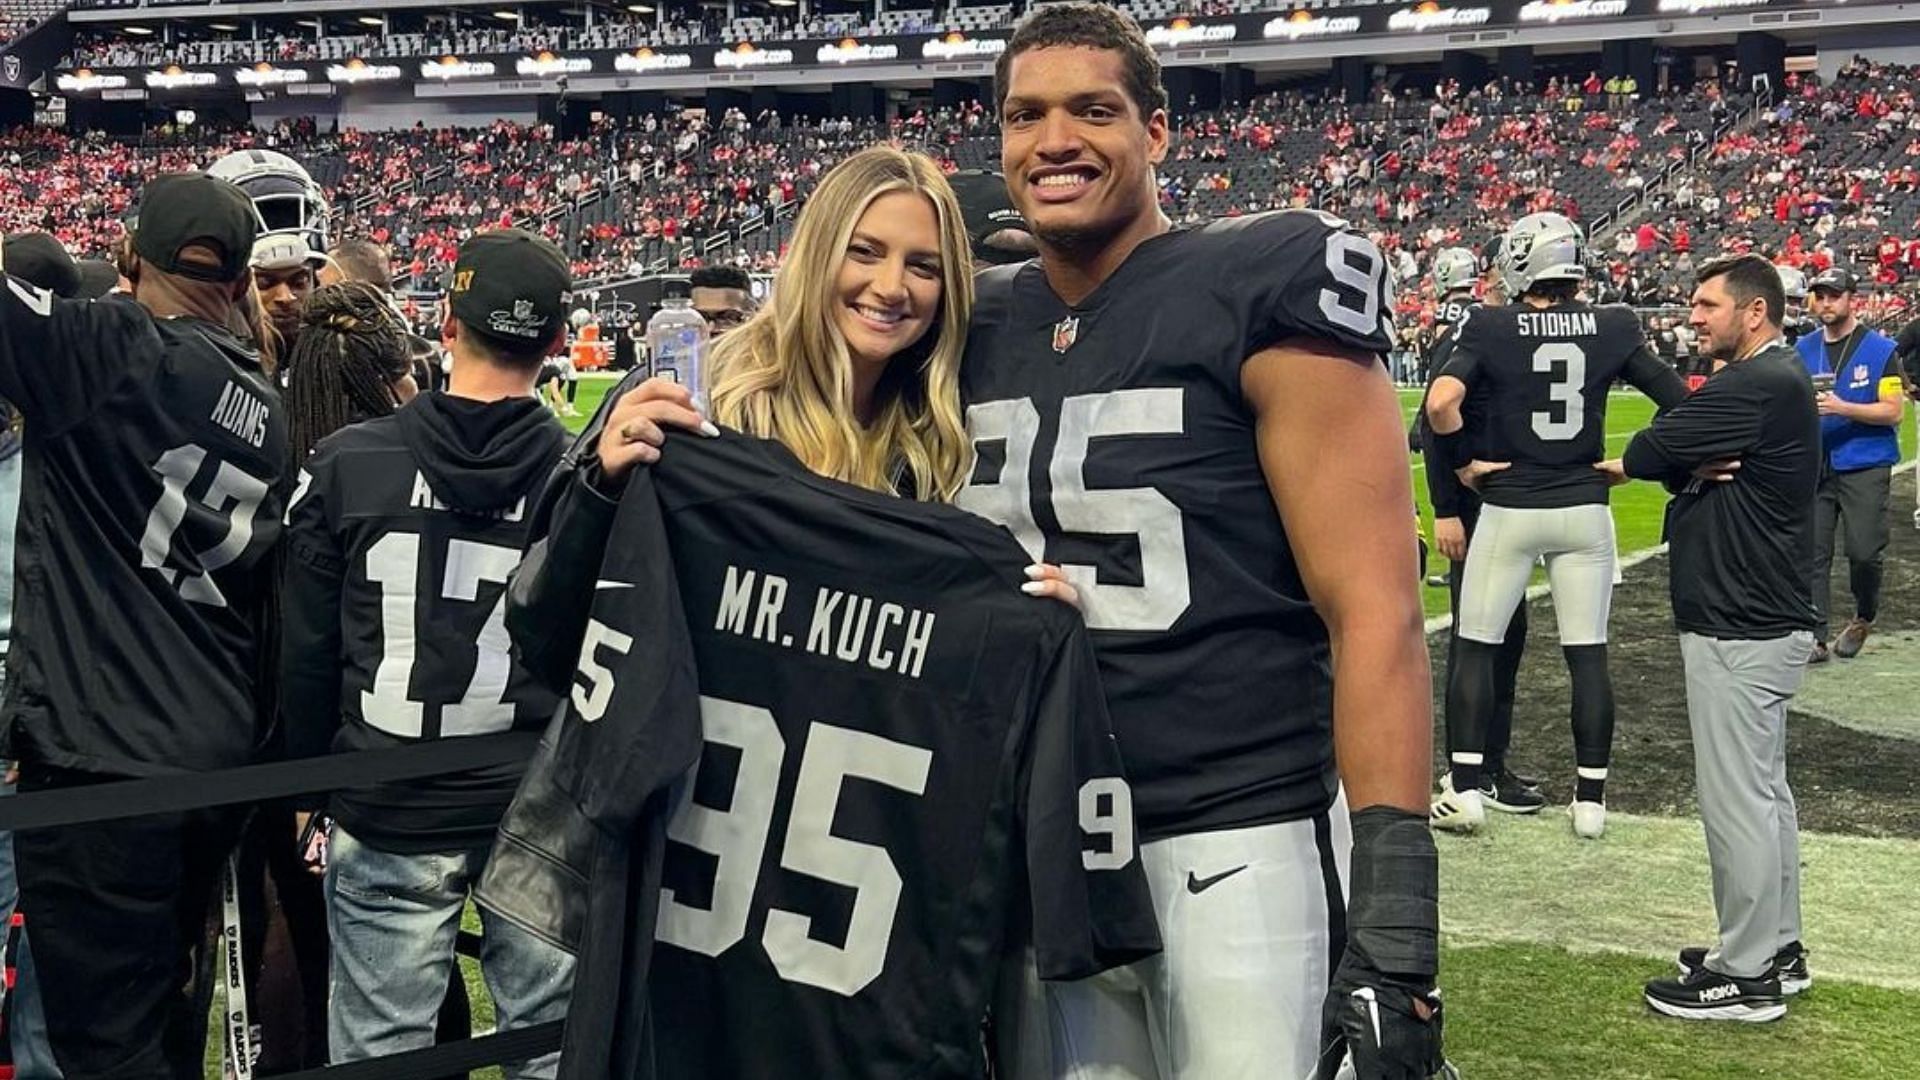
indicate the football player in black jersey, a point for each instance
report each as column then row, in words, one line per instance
column 1196, row 425
column 156, row 450
column 1546, row 364
column 1456, row 509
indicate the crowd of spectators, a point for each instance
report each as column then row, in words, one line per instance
column 1829, row 174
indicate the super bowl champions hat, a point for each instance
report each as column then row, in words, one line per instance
column 179, row 209
column 512, row 287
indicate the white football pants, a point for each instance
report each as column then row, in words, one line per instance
column 1253, row 920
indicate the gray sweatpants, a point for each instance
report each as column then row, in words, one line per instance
column 1737, row 694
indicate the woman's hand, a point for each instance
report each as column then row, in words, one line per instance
column 638, row 425
column 1048, row 580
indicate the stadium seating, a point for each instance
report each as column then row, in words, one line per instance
column 19, row 16
column 679, row 191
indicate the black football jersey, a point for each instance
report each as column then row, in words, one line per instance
column 1113, row 440
column 152, row 488
column 907, row 769
column 1546, row 373
column 1453, row 311
column 395, row 610
column 1445, row 493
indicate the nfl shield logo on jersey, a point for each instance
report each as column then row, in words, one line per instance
column 1859, row 374
column 1065, row 333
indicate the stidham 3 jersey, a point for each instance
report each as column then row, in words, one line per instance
column 1114, row 440
column 907, row 776
column 1543, row 375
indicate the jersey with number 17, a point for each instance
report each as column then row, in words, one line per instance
column 1114, row 440
column 154, row 465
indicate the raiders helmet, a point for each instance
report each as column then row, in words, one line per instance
column 1454, row 269
column 1793, row 283
column 285, row 198
column 1540, row 248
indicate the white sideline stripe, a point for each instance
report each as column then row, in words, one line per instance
column 1627, row 562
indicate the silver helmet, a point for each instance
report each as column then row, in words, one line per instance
column 1454, row 269
column 285, row 198
column 1540, row 248
column 1793, row 283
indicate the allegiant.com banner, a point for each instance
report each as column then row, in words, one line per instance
column 1411, row 18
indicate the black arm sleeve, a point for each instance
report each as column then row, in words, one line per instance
column 1443, row 487
column 1655, row 378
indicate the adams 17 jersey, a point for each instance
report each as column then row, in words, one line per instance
column 1545, row 373
column 1114, row 441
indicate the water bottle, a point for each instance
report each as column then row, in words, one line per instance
column 677, row 341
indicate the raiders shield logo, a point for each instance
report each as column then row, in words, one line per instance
column 13, row 69
column 1065, row 333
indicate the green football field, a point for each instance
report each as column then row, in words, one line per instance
column 1547, row 939
column 1637, row 508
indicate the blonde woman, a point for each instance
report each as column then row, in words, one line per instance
column 853, row 365
column 854, row 362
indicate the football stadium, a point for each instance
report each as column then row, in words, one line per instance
column 828, row 540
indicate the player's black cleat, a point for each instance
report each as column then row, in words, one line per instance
column 1708, row 995
column 1789, row 966
column 1508, row 794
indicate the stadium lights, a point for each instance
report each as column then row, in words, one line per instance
column 507, row 15
column 371, row 20
column 640, row 9
column 224, row 27
column 141, row 31
column 784, row 3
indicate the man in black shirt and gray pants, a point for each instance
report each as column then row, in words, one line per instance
column 1742, row 455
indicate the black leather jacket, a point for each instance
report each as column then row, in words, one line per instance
column 547, row 851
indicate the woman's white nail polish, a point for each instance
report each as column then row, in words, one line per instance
column 1033, row 588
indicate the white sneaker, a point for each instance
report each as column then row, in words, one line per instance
column 1462, row 812
column 1589, row 819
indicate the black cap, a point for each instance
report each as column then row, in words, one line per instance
column 1834, row 280
column 39, row 259
column 511, row 287
column 180, row 209
column 985, row 209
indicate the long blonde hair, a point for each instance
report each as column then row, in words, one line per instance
column 787, row 375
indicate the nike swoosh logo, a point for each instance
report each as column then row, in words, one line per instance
column 1198, row 885
column 603, row 583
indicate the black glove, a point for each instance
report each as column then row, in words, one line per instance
column 1378, row 1033
column 1372, row 1022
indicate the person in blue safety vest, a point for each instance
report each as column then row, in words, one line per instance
column 1861, row 401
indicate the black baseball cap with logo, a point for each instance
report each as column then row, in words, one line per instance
column 181, row 209
column 511, row 287
column 985, row 209
column 1834, row 280
column 39, row 259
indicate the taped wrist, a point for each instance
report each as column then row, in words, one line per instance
column 1393, row 910
column 1455, row 449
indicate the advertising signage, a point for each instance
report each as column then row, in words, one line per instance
column 1210, row 36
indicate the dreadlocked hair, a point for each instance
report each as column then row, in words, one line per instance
column 349, row 353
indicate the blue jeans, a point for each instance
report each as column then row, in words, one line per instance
column 32, row 1057
column 393, row 919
